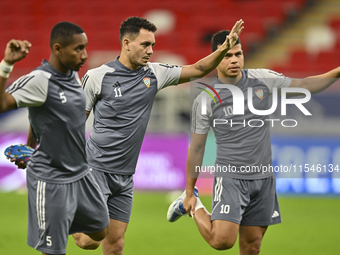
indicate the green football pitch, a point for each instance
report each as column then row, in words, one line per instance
column 311, row 225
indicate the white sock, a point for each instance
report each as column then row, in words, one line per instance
column 199, row 204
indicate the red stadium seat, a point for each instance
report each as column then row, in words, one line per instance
column 280, row 69
column 326, row 61
column 301, row 61
column 195, row 22
column 334, row 23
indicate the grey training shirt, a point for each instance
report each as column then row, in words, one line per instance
column 239, row 145
column 56, row 104
column 122, row 100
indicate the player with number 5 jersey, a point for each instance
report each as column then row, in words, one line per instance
column 63, row 197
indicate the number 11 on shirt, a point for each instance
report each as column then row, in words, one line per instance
column 118, row 92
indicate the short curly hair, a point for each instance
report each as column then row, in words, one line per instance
column 133, row 25
column 63, row 32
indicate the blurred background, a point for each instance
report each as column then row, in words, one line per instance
column 298, row 38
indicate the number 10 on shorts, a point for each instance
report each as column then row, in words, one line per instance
column 225, row 209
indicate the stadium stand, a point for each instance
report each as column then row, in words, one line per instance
column 272, row 37
column 195, row 21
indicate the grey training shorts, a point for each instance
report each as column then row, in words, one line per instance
column 118, row 192
column 246, row 202
column 58, row 210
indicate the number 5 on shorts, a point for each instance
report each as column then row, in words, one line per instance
column 48, row 240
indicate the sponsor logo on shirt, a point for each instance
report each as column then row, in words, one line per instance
column 275, row 214
column 116, row 85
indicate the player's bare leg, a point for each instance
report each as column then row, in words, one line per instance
column 250, row 239
column 220, row 234
column 113, row 244
column 85, row 242
column 90, row 241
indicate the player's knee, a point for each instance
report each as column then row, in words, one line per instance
column 253, row 247
column 100, row 235
column 220, row 244
column 120, row 244
column 87, row 244
column 255, row 250
column 116, row 247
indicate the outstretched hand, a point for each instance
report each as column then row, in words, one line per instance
column 16, row 50
column 232, row 38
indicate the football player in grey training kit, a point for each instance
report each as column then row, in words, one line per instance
column 121, row 94
column 244, row 202
column 63, row 197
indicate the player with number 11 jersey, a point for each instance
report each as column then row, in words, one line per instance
column 122, row 100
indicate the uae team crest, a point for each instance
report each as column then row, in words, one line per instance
column 147, row 82
column 259, row 93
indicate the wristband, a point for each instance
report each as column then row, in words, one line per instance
column 5, row 69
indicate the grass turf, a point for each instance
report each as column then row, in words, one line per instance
column 310, row 226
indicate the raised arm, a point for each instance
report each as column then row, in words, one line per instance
column 195, row 158
column 318, row 83
column 15, row 51
column 209, row 63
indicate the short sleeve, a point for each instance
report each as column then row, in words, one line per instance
column 167, row 75
column 92, row 87
column 30, row 90
column 270, row 78
column 200, row 122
